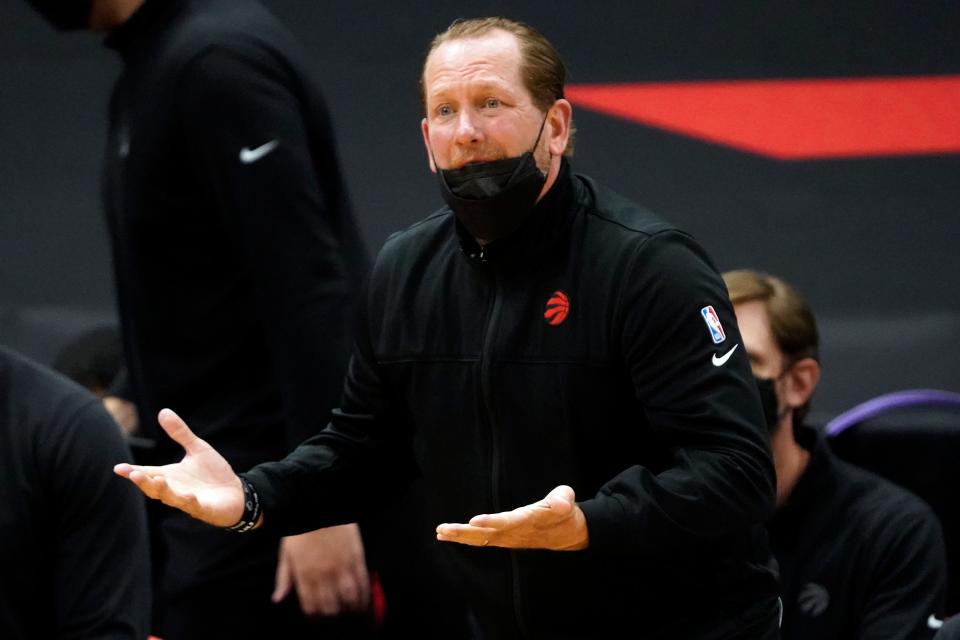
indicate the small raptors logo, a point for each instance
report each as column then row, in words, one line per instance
column 558, row 306
column 814, row 599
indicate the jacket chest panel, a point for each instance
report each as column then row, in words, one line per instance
column 456, row 311
column 153, row 170
column 161, row 211
column 534, row 354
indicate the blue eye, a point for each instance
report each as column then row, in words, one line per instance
column 444, row 110
column 491, row 103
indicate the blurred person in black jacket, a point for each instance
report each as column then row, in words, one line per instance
column 224, row 201
column 73, row 540
column 859, row 556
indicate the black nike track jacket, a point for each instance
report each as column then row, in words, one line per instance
column 594, row 347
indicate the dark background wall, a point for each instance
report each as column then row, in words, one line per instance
column 872, row 242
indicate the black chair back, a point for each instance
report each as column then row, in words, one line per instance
column 911, row 438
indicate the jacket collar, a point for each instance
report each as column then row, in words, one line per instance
column 546, row 224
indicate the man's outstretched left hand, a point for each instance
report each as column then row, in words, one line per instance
column 556, row 523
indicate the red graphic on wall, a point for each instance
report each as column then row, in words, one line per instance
column 795, row 119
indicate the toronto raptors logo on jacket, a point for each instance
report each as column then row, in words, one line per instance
column 558, row 306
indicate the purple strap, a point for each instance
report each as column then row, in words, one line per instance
column 889, row 401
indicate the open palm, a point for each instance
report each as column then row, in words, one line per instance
column 202, row 484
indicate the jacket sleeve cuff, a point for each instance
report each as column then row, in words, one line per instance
column 605, row 524
column 270, row 498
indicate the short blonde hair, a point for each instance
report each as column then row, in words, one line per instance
column 792, row 323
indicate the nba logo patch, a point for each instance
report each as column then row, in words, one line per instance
column 713, row 323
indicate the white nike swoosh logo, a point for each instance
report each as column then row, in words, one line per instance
column 719, row 361
column 934, row 622
column 249, row 156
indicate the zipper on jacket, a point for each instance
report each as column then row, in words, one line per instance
column 486, row 394
column 495, row 462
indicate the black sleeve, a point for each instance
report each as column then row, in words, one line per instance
column 360, row 462
column 707, row 415
column 102, row 556
column 246, row 122
column 909, row 579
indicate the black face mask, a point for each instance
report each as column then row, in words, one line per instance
column 491, row 199
column 64, row 15
column 768, row 398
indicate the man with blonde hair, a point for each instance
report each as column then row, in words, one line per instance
column 560, row 366
column 859, row 557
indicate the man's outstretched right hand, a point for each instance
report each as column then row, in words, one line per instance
column 202, row 484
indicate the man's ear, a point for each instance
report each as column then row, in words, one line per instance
column 559, row 118
column 801, row 379
column 425, row 130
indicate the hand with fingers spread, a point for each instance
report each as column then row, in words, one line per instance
column 202, row 484
column 327, row 568
column 555, row 523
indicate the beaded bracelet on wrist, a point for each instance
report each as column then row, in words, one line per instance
column 251, row 509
